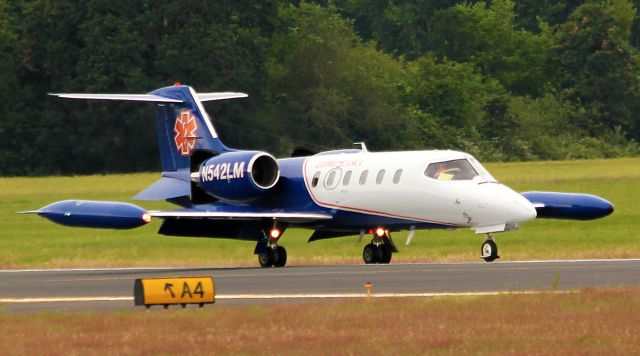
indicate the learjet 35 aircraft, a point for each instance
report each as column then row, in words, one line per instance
column 250, row 195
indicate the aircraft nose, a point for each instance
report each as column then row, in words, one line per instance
column 498, row 204
column 522, row 210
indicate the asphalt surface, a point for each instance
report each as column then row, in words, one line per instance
column 112, row 289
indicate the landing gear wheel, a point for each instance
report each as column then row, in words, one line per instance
column 489, row 251
column 280, row 257
column 266, row 259
column 384, row 253
column 370, row 254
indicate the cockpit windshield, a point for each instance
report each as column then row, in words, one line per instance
column 481, row 170
column 458, row 169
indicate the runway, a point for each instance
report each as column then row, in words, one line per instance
column 112, row 289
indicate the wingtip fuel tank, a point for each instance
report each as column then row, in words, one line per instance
column 569, row 206
column 94, row 214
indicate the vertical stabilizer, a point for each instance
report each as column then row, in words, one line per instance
column 185, row 127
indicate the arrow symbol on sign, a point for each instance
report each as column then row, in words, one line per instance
column 167, row 286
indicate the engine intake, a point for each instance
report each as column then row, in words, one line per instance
column 241, row 176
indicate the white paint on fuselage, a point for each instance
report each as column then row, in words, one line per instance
column 477, row 202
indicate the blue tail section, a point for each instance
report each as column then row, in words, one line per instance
column 186, row 135
column 183, row 128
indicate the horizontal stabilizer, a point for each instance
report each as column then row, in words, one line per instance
column 165, row 188
column 149, row 97
column 126, row 97
column 220, row 96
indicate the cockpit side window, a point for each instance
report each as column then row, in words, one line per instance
column 459, row 169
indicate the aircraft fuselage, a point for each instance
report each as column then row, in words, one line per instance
column 364, row 190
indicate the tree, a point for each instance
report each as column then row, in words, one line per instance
column 401, row 28
column 487, row 36
column 331, row 88
column 600, row 69
column 552, row 12
column 10, row 93
column 124, row 46
column 448, row 100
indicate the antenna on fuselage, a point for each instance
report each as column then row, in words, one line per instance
column 362, row 145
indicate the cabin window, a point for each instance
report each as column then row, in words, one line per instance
column 316, row 178
column 330, row 178
column 380, row 176
column 363, row 177
column 347, row 178
column 459, row 169
column 396, row 176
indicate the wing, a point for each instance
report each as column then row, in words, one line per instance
column 117, row 215
column 229, row 222
column 288, row 217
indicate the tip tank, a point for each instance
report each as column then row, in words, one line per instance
column 94, row 214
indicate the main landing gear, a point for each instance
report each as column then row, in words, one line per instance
column 489, row 250
column 273, row 257
column 270, row 254
column 380, row 249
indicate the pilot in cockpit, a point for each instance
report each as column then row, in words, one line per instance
column 445, row 172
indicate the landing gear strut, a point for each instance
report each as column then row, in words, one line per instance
column 381, row 248
column 489, row 250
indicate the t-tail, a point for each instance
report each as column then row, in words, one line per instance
column 185, row 133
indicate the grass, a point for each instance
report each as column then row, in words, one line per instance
column 601, row 321
column 33, row 242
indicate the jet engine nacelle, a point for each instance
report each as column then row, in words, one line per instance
column 240, row 176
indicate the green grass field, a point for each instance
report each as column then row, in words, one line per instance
column 28, row 241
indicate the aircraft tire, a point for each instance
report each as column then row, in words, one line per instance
column 280, row 256
column 489, row 250
column 370, row 254
column 266, row 259
column 384, row 253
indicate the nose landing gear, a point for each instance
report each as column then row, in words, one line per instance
column 380, row 249
column 489, row 250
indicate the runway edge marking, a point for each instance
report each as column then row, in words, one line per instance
column 169, row 269
column 292, row 296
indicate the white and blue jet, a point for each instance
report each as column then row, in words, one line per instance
column 251, row 195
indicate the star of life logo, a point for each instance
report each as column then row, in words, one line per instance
column 185, row 132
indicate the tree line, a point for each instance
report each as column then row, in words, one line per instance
column 504, row 80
